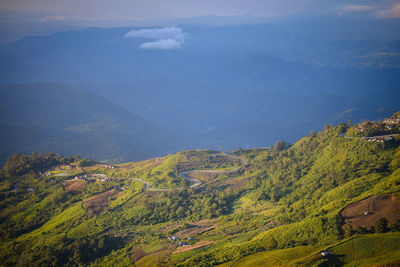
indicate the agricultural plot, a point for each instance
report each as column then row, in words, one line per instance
column 367, row 212
column 74, row 186
column 98, row 203
column 197, row 228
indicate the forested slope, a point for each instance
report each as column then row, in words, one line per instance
column 280, row 205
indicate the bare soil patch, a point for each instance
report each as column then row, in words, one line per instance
column 197, row 228
column 98, row 203
column 74, row 186
column 197, row 245
column 367, row 212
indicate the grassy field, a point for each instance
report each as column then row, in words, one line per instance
column 281, row 257
column 364, row 250
column 368, row 250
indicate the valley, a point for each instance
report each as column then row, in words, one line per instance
column 200, row 133
column 276, row 82
column 282, row 205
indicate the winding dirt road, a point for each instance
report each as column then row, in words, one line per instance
column 196, row 182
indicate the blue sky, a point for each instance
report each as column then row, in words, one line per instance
column 28, row 16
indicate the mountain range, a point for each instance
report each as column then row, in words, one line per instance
column 235, row 86
column 53, row 117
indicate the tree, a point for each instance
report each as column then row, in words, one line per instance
column 395, row 227
column 361, row 230
column 281, row 145
column 342, row 127
column 327, row 128
column 347, row 230
column 382, row 225
column 18, row 165
column 275, row 194
column 84, row 162
column 270, row 243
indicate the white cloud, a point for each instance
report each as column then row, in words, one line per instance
column 387, row 11
column 166, row 38
column 163, row 44
column 393, row 12
column 158, row 33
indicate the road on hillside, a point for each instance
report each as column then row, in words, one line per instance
column 196, row 182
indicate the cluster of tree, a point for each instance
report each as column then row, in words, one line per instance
column 18, row 164
column 67, row 252
column 382, row 226
column 281, row 145
column 181, row 205
column 34, row 215
column 84, row 163
column 284, row 173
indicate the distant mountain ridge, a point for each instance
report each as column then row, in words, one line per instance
column 54, row 117
column 232, row 86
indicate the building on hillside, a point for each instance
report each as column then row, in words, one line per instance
column 391, row 121
column 359, row 128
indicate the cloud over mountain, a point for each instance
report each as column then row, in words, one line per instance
column 168, row 38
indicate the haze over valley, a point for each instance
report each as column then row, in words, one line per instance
column 217, row 85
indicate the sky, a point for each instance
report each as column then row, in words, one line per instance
column 39, row 16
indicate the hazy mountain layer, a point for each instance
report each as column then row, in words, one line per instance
column 52, row 117
column 235, row 86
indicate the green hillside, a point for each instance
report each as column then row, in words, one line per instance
column 282, row 205
column 53, row 117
